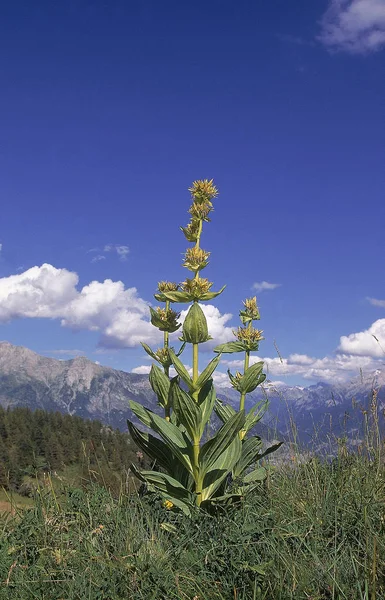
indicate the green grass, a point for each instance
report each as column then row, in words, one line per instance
column 313, row 532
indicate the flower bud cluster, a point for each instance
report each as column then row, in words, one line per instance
column 196, row 259
column 196, row 287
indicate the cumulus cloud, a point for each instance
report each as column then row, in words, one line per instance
column 120, row 315
column 142, row 370
column 264, row 285
column 333, row 369
column 370, row 342
column 355, row 26
column 375, row 302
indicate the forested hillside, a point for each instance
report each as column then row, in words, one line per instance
column 36, row 443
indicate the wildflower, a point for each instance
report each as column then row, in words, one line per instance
column 201, row 211
column 168, row 504
column 167, row 286
column 203, row 189
column 196, row 287
column 162, row 356
column 236, row 379
column 251, row 309
column 165, row 319
column 196, row 259
column 191, row 231
column 249, row 335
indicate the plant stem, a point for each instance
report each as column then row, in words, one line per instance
column 166, row 340
column 196, row 443
column 166, row 368
column 245, row 367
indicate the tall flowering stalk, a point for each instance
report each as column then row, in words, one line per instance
column 195, row 473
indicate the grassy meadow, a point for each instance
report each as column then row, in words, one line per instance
column 311, row 531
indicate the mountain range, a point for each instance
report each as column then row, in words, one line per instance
column 92, row 391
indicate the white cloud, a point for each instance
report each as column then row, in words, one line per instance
column 1, row 247
column 355, row 26
column 333, row 369
column 98, row 258
column 264, row 285
column 121, row 250
column 142, row 370
column 375, row 302
column 119, row 315
column 370, row 342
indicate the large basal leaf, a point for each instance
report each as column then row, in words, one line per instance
column 160, row 384
column 207, row 372
column 169, row 488
column 252, row 377
column 171, row 435
column 212, row 450
column 249, row 455
column 180, row 368
column 230, row 347
column 185, row 408
column 158, row 451
column 155, row 448
column 224, row 411
column 221, row 468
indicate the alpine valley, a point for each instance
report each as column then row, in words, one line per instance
column 91, row 391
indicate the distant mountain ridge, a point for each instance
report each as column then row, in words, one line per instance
column 92, row 391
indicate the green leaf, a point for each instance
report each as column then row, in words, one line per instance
column 212, row 450
column 178, row 443
column 220, row 468
column 149, row 351
column 157, row 450
column 211, row 295
column 255, row 414
column 252, row 378
column 224, row 411
column 143, row 414
column 207, row 372
column 160, row 384
column 257, row 475
column 180, row 368
column 180, row 349
column 186, row 409
column 206, row 402
column 270, row 449
column 250, row 448
column 230, row 347
column 181, row 297
column 168, row 487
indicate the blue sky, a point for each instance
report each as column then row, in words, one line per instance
column 110, row 110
